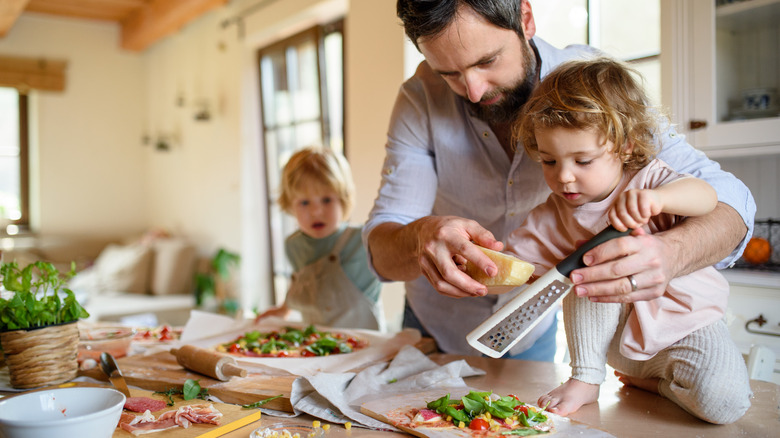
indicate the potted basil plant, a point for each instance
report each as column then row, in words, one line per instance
column 38, row 324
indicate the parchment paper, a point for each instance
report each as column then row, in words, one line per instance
column 207, row 330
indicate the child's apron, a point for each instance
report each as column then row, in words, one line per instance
column 324, row 294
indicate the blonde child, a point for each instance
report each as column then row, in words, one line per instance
column 589, row 125
column 331, row 284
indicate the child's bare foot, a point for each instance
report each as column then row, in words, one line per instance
column 569, row 397
column 650, row 384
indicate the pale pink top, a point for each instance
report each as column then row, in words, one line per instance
column 553, row 230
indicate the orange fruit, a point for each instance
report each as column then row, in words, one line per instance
column 757, row 251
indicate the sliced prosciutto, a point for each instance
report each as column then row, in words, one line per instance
column 182, row 417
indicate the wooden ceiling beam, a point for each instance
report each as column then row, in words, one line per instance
column 10, row 10
column 161, row 18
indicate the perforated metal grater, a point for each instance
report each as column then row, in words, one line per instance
column 497, row 334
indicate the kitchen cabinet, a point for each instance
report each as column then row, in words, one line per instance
column 753, row 318
column 721, row 74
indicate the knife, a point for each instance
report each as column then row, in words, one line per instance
column 109, row 366
column 497, row 334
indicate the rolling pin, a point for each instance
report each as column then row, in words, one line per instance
column 207, row 362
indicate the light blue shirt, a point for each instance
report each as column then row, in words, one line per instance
column 441, row 160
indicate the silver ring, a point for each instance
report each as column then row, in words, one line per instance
column 631, row 280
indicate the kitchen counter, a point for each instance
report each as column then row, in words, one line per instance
column 623, row 412
column 747, row 277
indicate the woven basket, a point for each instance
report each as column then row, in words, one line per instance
column 43, row 356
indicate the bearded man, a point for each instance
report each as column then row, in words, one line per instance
column 453, row 179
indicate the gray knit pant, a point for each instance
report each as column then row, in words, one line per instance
column 704, row 373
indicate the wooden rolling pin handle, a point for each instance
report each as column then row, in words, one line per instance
column 230, row 369
column 207, row 362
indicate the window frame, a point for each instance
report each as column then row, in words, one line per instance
column 23, row 110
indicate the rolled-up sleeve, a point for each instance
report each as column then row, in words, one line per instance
column 409, row 182
column 684, row 158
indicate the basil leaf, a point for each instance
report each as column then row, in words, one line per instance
column 191, row 389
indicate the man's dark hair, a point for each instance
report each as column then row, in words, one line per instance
column 428, row 18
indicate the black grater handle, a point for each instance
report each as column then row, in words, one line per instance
column 574, row 260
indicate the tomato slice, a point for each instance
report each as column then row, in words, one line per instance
column 234, row 348
column 307, row 353
column 479, row 424
column 523, row 409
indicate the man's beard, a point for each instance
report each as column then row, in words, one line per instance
column 507, row 109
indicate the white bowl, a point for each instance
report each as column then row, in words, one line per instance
column 62, row 412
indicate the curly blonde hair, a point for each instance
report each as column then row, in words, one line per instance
column 317, row 166
column 599, row 94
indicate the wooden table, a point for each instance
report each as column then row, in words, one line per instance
column 623, row 412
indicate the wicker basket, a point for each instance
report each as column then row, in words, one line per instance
column 41, row 356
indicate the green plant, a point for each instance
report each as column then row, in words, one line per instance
column 36, row 300
column 219, row 269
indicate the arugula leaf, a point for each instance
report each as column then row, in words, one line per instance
column 295, row 337
column 259, row 403
column 273, row 345
column 525, row 432
column 443, row 406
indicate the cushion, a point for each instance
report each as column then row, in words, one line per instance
column 123, row 268
column 173, row 267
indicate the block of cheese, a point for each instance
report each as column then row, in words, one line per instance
column 511, row 270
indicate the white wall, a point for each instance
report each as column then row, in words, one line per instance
column 195, row 188
column 89, row 172
column 97, row 176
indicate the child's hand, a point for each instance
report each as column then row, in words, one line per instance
column 281, row 312
column 634, row 208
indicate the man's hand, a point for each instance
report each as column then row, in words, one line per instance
column 609, row 265
column 434, row 246
column 653, row 260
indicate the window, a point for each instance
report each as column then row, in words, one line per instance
column 628, row 30
column 301, row 85
column 14, row 210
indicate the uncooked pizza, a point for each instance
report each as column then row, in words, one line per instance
column 292, row 342
column 481, row 414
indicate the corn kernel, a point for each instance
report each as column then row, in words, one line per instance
column 315, row 423
column 461, row 425
column 488, row 416
column 348, row 425
column 325, row 426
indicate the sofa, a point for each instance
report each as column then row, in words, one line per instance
column 146, row 279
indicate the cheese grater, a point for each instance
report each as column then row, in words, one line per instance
column 497, row 334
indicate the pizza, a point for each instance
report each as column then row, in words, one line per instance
column 292, row 342
column 163, row 333
column 479, row 414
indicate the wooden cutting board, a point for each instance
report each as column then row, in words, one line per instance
column 160, row 372
column 391, row 410
column 233, row 417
